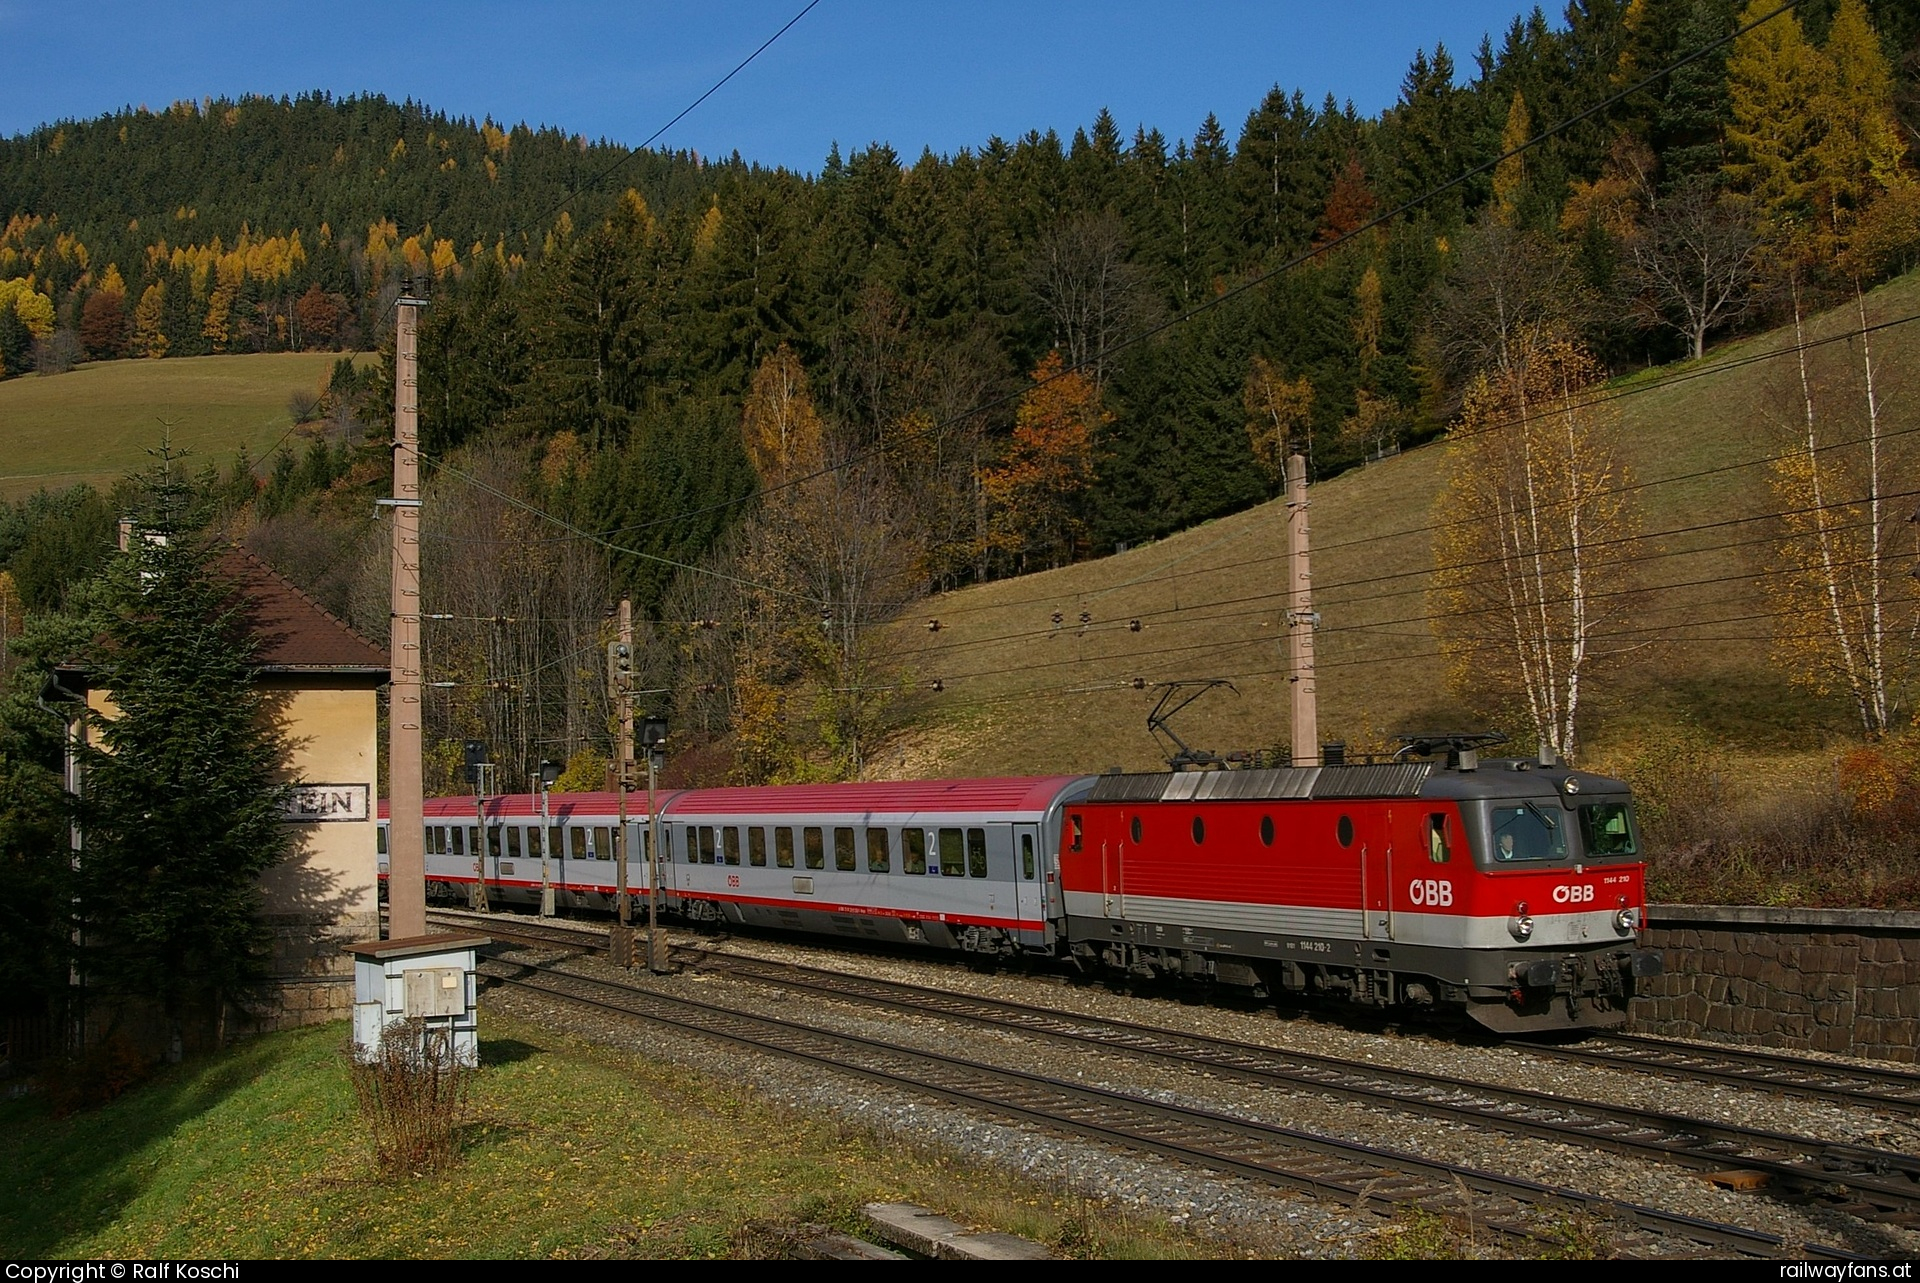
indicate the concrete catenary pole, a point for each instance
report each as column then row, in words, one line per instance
column 1301, row 621
column 406, row 856
column 621, row 937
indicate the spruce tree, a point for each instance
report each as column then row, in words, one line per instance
column 182, row 801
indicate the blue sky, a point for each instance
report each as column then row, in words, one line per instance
column 852, row 71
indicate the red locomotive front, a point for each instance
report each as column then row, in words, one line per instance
column 1510, row 890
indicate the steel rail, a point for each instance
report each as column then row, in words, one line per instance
column 1349, row 1170
column 1881, row 1089
column 1885, row 1181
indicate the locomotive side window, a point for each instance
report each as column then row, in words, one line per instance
column 1136, row 828
column 783, row 848
column 843, row 850
column 757, row 847
column 1266, row 830
column 1079, row 833
column 706, row 844
column 1606, row 828
column 730, row 843
column 1199, row 830
column 1526, row 832
column 913, row 850
column 1026, row 856
column 977, row 853
column 1344, row 830
column 603, row 843
column 879, row 854
column 953, row 854
column 1437, row 849
column 816, row 845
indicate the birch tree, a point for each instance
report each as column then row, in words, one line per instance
column 1843, row 602
column 1532, row 555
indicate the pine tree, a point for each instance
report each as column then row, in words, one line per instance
column 184, row 788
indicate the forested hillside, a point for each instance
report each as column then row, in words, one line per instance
column 942, row 370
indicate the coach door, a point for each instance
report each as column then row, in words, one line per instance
column 1029, row 875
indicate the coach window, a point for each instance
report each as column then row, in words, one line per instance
column 977, row 853
column 843, row 850
column 730, row 843
column 554, row 846
column 459, row 841
column 1437, row 849
column 1026, row 856
column 913, row 850
column 433, row 839
column 879, row 852
column 1199, row 830
column 380, row 840
column 706, row 844
column 602, row 843
column 783, row 848
column 953, row 854
column 579, row 843
column 1344, row 830
column 1266, row 830
column 1135, row 829
column 815, row 842
column 757, row 847
column 493, row 843
column 513, row 843
column 1079, row 833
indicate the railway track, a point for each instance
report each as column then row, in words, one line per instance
column 1353, row 1173
column 1868, row 1183
column 1891, row 1090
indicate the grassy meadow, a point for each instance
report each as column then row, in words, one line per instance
column 96, row 422
column 1024, row 694
column 571, row 1150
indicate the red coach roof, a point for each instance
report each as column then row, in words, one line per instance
column 1009, row 793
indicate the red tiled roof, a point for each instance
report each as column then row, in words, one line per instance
column 295, row 632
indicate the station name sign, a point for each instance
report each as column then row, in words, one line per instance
column 320, row 803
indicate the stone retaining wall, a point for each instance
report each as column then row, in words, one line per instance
column 1838, row 980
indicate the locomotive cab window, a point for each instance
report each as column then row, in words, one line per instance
column 1437, row 848
column 783, row 848
column 1526, row 832
column 879, row 852
column 816, row 844
column 913, row 850
column 1607, row 828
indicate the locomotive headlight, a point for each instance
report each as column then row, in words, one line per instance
column 1627, row 921
column 1520, row 926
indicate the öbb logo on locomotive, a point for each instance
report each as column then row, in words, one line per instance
column 1392, row 884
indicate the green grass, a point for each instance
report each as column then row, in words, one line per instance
column 574, row 1151
column 96, row 422
column 1206, row 598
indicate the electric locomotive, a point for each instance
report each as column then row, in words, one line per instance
column 1508, row 890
